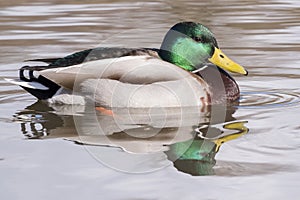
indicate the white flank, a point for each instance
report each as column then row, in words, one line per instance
column 130, row 81
column 128, row 69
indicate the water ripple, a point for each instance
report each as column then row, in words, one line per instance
column 264, row 99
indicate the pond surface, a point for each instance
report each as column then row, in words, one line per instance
column 250, row 151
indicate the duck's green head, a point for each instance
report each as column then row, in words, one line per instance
column 191, row 45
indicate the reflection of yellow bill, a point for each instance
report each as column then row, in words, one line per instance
column 239, row 126
column 221, row 60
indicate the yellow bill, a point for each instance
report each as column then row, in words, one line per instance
column 221, row 60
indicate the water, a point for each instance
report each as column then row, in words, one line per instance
column 259, row 158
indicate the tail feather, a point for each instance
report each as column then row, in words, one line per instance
column 39, row 86
column 45, row 60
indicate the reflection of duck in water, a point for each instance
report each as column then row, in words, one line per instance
column 197, row 156
column 40, row 120
column 191, row 149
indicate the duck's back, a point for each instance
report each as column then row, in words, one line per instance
column 43, row 88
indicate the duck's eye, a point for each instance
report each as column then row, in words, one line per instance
column 197, row 39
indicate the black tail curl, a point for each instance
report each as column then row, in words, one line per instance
column 41, row 94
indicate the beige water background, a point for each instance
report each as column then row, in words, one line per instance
column 261, row 35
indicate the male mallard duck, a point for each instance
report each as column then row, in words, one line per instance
column 187, row 70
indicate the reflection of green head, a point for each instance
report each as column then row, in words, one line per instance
column 195, row 157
